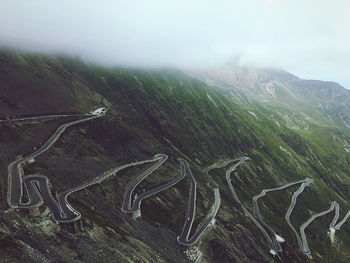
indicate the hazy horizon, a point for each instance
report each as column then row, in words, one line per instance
column 308, row 39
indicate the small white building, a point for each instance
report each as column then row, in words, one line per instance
column 29, row 161
column 99, row 111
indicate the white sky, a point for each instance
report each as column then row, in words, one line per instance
column 309, row 38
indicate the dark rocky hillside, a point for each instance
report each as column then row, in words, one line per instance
column 165, row 111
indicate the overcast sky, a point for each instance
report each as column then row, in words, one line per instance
column 309, row 38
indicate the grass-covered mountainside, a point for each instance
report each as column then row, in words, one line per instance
column 164, row 111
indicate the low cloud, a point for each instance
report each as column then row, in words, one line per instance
column 309, row 38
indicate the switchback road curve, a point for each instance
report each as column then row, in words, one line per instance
column 271, row 241
column 38, row 191
column 276, row 238
column 332, row 226
column 15, row 171
column 134, row 206
column 272, row 238
column 307, row 183
column 38, row 188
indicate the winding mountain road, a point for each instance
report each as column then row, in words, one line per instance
column 271, row 241
column 128, row 206
column 334, row 206
column 38, row 191
column 257, row 214
column 272, row 238
column 38, row 187
column 15, row 171
column 40, row 118
column 135, row 207
column 307, row 183
column 70, row 213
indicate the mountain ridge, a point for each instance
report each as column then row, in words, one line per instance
column 234, row 76
column 280, row 88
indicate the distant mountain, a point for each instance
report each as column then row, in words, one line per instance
column 271, row 84
column 278, row 87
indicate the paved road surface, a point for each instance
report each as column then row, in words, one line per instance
column 34, row 183
column 134, row 206
column 127, row 205
column 305, row 246
column 209, row 220
column 38, row 191
column 70, row 214
column 257, row 214
column 40, row 118
column 271, row 241
column 334, row 206
column 307, row 183
column 15, row 175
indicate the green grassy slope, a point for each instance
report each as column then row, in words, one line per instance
column 163, row 111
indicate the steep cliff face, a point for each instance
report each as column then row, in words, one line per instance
column 165, row 111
